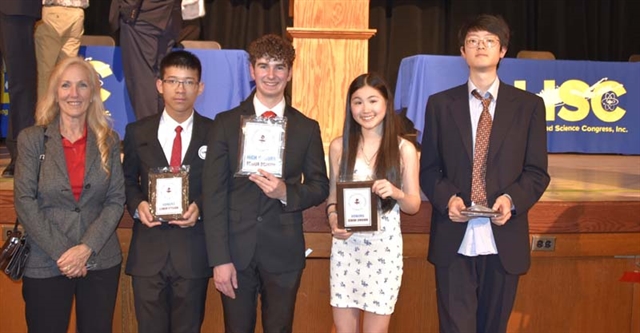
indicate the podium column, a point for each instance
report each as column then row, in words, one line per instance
column 331, row 39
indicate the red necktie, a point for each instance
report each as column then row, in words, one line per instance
column 478, row 181
column 268, row 114
column 176, row 151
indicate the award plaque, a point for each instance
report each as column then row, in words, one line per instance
column 479, row 211
column 357, row 206
column 262, row 145
column 169, row 192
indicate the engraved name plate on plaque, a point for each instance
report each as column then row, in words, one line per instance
column 262, row 145
column 357, row 206
column 169, row 192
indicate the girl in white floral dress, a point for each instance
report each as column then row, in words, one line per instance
column 366, row 267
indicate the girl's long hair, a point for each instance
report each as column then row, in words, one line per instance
column 387, row 160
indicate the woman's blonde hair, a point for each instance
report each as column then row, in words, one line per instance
column 97, row 121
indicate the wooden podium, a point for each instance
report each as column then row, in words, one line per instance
column 331, row 39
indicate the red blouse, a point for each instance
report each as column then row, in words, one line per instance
column 75, row 154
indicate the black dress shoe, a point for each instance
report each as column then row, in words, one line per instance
column 8, row 171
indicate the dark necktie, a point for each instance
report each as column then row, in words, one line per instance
column 268, row 114
column 478, row 182
column 176, row 151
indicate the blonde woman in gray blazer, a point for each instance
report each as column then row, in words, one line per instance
column 69, row 196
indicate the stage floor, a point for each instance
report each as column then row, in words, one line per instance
column 580, row 177
column 574, row 177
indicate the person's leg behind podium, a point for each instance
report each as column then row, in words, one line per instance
column 140, row 63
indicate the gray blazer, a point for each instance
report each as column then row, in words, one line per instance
column 50, row 214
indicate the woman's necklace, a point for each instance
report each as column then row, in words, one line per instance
column 367, row 160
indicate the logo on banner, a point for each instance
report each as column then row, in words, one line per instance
column 4, row 93
column 104, row 71
column 4, row 101
column 576, row 99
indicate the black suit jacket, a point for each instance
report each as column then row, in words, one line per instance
column 151, row 246
column 516, row 165
column 32, row 8
column 241, row 222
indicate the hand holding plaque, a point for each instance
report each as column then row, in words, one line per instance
column 169, row 192
column 357, row 206
column 262, row 144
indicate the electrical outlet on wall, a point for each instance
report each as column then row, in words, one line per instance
column 543, row 243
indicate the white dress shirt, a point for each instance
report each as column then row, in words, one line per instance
column 260, row 108
column 478, row 239
column 167, row 133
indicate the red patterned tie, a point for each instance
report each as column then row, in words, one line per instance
column 176, row 151
column 268, row 114
column 478, row 183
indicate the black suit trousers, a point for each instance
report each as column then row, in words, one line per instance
column 143, row 46
column 277, row 294
column 18, row 50
column 48, row 301
column 475, row 294
column 169, row 303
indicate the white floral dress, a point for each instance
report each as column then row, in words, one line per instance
column 366, row 269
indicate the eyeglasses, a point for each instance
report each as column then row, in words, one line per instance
column 187, row 84
column 489, row 42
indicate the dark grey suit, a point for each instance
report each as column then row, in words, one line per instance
column 55, row 221
column 50, row 214
column 153, row 249
column 17, row 46
column 516, row 165
column 148, row 31
column 245, row 227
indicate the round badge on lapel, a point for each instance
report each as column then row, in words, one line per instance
column 202, row 152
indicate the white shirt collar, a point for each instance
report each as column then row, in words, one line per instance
column 166, row 120
column 493, row 89
column 261, row 108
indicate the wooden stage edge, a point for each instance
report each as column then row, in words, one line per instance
column 587, row 194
